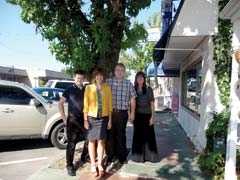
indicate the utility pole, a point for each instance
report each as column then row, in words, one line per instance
column 11, row 70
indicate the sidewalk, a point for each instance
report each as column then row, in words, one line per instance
column 178, row 158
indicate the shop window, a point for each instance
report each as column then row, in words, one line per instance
column 191, row 86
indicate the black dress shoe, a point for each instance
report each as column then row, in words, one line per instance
column 85, row 160
column 123, row 161
column 71, row 171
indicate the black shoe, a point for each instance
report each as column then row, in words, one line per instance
column 71, row 171
column 123, row 162
column 109, row 160
column 85, row 160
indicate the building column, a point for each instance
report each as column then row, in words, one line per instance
column 230, row 165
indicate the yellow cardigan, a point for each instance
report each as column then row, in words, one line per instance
column 91, row 100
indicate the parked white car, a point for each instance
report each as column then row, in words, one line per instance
column 26, row 115
column 62, row 84
column 55, row 83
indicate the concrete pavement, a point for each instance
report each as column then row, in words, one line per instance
column 178, row 158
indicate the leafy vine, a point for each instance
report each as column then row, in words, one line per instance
column 222, row 56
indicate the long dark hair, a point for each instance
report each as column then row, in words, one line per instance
column 144, row 88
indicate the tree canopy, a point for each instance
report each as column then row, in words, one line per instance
column 140, row 55
column 86, row 34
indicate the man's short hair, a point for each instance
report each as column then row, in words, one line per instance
column 80, row 72
column 120, row 65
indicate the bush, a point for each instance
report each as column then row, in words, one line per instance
column 213, row 164
column 213, row 161
column 217, row 128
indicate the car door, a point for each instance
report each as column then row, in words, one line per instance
column 19, row 117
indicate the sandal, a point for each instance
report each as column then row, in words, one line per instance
column 94, row 171
column 101, row 171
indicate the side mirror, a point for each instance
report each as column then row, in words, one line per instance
column 35, row 102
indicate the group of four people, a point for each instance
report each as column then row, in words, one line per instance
column 101, row 111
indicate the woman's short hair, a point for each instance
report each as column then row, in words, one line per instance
column 96, row 72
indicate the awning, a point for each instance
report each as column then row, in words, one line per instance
column 161, row 72
column 158, row 55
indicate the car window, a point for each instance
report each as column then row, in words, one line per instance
column 47, row 94
column 60, row 94
column 63, row 85
column 51, row 95
column 14, row 95
column 55, row 96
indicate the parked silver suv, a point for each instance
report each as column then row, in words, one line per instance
column 25, row 114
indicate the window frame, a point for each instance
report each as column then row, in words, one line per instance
column 191, row 98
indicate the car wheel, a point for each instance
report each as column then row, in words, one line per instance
column 59, row 136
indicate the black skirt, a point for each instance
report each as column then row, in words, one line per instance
column 144, row 146
column 97, row 129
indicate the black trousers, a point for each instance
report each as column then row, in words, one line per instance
column 116, row 137
column 144, row 147
column 75, row 130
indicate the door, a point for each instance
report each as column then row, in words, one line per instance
column 18, row 116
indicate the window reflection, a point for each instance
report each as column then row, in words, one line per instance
column 14, row 95
column 192, row 88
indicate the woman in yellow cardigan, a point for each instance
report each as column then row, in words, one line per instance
column 97, row 118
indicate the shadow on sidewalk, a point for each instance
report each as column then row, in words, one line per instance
column 178, row 156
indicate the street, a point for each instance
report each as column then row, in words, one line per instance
column 19, row 159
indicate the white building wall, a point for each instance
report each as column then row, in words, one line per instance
column 194, row 125
column 233, row 131
column 232, row 11
column 34, row 75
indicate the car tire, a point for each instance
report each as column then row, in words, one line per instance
column 59, row 136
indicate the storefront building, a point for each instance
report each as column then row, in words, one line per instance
column 187, row 46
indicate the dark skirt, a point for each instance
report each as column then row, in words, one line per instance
column 97, row 129
column 144, row 146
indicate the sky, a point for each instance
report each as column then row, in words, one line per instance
column 21, row 47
